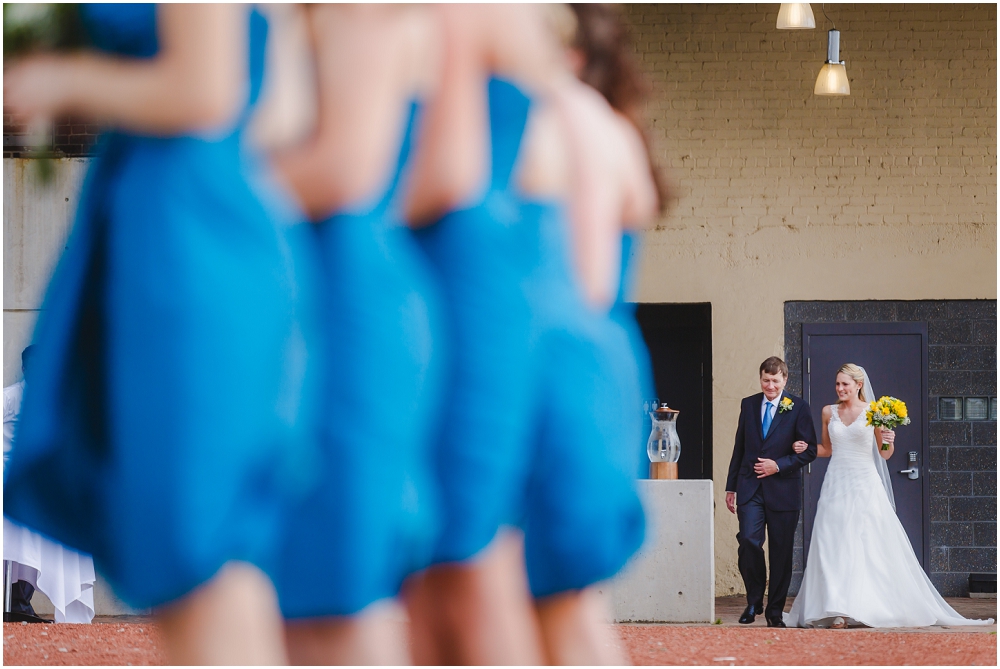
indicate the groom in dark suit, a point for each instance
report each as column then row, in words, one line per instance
column 764, row 487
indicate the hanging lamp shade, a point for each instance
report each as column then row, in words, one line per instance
column 796, row 16
column 832, row 79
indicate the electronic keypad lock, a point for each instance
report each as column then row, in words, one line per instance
column 913, row 472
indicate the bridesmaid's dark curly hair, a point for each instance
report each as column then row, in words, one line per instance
column 604, row 40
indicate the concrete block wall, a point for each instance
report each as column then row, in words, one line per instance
column 787, row 196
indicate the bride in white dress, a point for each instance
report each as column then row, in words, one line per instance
column 861, row 568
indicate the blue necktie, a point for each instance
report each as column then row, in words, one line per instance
column 767, row 417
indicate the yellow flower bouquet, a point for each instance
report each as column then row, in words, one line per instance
column 887, row 412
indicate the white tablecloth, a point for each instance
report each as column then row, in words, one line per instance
column 63, row 575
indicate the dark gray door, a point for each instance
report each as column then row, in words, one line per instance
column 895, row 357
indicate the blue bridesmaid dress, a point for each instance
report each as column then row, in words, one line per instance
column 371, row 521
column 161, row 421
column 528, row 435
column 480, row 259
column 583, row 518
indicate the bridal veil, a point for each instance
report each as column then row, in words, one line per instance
column 880, row 463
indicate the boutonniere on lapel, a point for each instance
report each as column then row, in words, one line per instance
column 785, row 404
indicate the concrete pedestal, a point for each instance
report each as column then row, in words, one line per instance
column 672, row 578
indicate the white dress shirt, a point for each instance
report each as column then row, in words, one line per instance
column 773, row 404
column 11, row 409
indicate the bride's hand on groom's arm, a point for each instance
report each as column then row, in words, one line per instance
column 800, row 447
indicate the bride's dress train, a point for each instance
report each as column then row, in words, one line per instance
column 861, row 566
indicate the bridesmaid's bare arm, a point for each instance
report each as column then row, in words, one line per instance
column 197, row 81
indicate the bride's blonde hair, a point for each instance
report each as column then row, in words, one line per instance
column 855, row 373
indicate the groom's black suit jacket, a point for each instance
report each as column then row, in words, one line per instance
column 782, row 491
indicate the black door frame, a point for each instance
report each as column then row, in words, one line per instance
column 658, row 312
column 918, row 328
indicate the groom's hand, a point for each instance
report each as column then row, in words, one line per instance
column 765, row 467
column 731, row 502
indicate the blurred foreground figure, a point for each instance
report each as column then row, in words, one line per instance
column 370, row 523
column 530, row 444
column 579, row 529
column 158, row 428
column 618, row 191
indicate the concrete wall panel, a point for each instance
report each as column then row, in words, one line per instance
column 36, row 220
column 672, row 577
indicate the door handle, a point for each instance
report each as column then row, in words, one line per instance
column 912, row 473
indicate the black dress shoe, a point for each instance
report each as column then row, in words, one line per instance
column 750, row 613
column 17, row 617
column 775, row 622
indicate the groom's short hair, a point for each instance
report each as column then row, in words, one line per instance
column 774, row 365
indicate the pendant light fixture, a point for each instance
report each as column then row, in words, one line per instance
column 796, row 16
column 832, row 79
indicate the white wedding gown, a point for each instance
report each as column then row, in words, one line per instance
column 861, row 566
